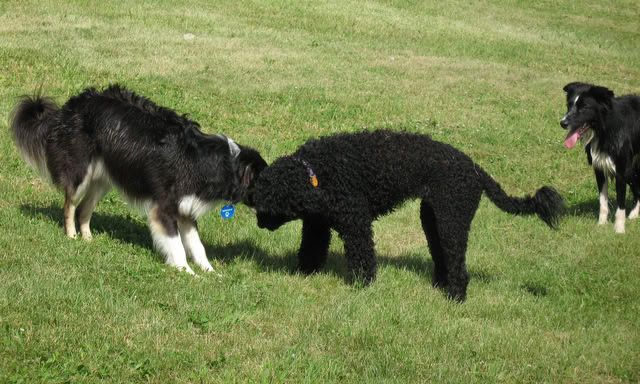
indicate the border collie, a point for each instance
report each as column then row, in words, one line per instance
column 610, row 129
column 160, row 161
column 347, row 181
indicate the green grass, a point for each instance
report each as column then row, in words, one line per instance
column 487, row 77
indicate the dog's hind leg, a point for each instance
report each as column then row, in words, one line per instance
column 95, row 192
column 77, row 182
column 69, row 216
column 72, row 197
column 453, row 215
column 163, row 224
column 188, row 229
column 357, row 237
column 429, row 226
column 314, row 246
column 454, row 233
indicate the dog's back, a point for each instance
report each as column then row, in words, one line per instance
column 402, row 162
column 117, row 115
column 141, row 145
column 386, row 168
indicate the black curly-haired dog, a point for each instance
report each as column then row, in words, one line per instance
column 346, row 181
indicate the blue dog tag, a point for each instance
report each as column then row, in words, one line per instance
column 227, row 211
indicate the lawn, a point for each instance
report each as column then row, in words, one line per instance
column 487, row 77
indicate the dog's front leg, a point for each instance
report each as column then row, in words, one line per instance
column 189, row 235
column 359, row 250
column 164, row 231
column 601, row 181
column 621, row 188
column 314, row 246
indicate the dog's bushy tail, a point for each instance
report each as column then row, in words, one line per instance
column 546, row 203
column 30, row 123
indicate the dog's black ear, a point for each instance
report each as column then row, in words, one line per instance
column 572, row 86
column 192, row 137
column 602, row 95
column 251, row 164
column 247, row 175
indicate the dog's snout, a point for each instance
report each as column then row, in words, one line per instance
column 563, row 123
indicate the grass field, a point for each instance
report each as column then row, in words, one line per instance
column 487, row 76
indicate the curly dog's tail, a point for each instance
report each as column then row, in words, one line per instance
column 546, row 203
column 31, row 121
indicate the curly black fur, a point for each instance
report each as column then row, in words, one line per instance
column 365, row 175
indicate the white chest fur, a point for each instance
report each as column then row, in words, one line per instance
column 602, row 160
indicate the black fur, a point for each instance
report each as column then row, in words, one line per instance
column 611, row 128
column 150, row 153
column 363, row 176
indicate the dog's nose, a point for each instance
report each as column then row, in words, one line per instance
column 564, row 124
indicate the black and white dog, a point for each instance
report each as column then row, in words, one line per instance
column 160, row 161
column 610, row 129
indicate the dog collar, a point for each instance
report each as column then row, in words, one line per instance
column 313, row 179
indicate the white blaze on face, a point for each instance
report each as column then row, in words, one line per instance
column 574, row 134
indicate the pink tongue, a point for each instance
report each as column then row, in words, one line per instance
column 571, row 140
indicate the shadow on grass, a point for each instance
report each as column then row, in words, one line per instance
column 590, row 208
column 535, row 289
column 122, row 228
column 422, row 265
column 128, row 230
column 248, row 250
column 587, row 208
